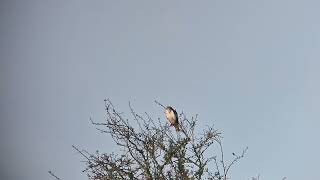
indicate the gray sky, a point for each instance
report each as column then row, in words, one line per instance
column 249, row 67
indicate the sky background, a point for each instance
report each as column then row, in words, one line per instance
column 249, row 67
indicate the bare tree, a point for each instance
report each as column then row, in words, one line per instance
column 151, row 149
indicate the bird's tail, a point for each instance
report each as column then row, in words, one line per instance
column 177, row 127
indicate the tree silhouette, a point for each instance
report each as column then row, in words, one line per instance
column 152, row 150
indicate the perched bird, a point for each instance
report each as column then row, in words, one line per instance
column 172, row 117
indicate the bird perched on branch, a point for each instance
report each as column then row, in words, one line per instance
column 172, row 117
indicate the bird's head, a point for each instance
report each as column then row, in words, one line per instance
column 168, row 109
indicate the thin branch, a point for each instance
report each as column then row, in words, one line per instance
column 53, row 175
column 159, row 104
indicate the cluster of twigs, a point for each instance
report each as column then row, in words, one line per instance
column 153, row 150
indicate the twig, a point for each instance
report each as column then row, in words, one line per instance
column 53, row 175
column 159, row 103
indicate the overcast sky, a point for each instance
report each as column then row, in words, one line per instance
column 249, row 67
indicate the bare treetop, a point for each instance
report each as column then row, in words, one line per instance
column 153, row 150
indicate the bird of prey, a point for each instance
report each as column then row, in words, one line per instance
column 172, row 117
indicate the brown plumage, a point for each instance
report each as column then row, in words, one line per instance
column 172, row 117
